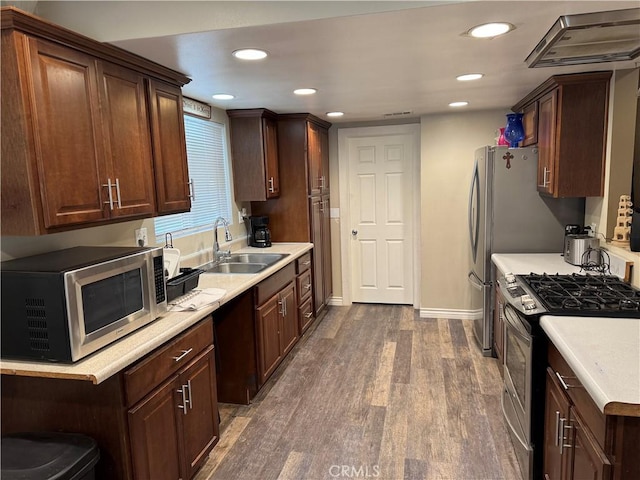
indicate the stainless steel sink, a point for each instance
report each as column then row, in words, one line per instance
column 230, row 267
column 267, row 258
column 245, row 263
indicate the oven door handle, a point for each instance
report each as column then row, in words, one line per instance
column 516, row 324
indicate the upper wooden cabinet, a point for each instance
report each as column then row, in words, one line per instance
column 567, row 117
column 254, row 154
column 78, row 146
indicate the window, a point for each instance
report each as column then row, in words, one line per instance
column 208, row 169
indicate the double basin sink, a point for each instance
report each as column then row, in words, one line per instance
column 246, row 263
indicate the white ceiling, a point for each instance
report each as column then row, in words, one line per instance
column 366, row 65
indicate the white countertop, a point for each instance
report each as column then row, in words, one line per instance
column 604, row 353
column 525, row 263
column 119, row 355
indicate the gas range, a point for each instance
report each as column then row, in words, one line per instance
column 579, row 295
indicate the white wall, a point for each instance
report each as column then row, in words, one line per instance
column 448, row 145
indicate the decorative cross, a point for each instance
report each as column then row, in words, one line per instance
column 508, row 156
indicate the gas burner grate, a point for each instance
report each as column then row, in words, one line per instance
column 585, row 294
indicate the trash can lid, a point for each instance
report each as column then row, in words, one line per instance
column 46, row 455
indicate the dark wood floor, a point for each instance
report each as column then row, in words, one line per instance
column 373, row 391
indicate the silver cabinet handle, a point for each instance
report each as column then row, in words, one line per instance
column 284, row 301
column 563, row 427
column 183, row 407
column 118, row 193
column 307, row 286
column 109, row 185
column 192, row 189
column 271, row 187
column 321, row 181
column 281, row 303
column 308, row 315
column 188, row 385
column 557, row 440
column 308, row 262
column 183, row 354
column 566, row 385
column 545, row 181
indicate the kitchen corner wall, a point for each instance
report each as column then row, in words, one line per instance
column 448, row 143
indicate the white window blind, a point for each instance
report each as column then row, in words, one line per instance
column 208, row 169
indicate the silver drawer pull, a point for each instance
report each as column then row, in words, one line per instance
column 565, row 385
column 308, row 262
column 184, row 354
column 308, row 315
column 307, row 286
column 183, row 407
column 109, row 186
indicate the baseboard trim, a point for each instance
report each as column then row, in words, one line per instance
column 453, row 314
column 335, row 301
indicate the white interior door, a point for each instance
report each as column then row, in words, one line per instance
column 381, row 198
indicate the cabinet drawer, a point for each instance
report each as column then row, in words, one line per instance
column 166, row 360
column 303, row 286
column 586, row 407
column 305, row 315
column 303, row 263
column 276, row 282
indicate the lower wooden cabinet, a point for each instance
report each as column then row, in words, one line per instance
column 581, row 442
column 174, row 427
column 156, row 420
column 277, row 321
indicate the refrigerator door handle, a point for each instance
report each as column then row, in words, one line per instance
column 475, row 281
column 474, row 216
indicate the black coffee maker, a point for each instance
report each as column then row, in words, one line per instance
column 258, row 230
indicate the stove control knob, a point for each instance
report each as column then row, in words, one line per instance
column 510, row 278
column 527, row 302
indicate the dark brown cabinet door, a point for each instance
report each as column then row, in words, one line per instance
column 318, row 264
column 314, row 159
column 556, row 415
column 327, row 281
column 254, row 154
column 270, row 351
column 200, row 419
column 270, row 136
column 156, row 441
column 547, row 142
column 127, row 141
column 324, row 158
column 530, row 124
column 289, row 331
column 588, row 461
column 169, row 148
column 68, row 142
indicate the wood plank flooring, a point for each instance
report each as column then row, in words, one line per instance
column 372, row 391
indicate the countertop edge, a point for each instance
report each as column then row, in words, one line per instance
column 605, row 404
column 105, row 363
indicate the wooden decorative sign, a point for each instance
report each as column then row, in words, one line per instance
column 196, row 108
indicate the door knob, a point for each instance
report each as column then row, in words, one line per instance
column 354, row 232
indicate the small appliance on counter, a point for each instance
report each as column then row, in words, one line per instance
column 580, row 248
column 258, row 230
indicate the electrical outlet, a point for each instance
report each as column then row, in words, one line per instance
column 241, row 214
column 592, row 232
column 141, row 237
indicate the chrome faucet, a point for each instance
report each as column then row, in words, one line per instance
column 219, row 255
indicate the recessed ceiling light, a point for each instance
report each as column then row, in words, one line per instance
column 458, row 104
column 223, row 96
column 335, row 114
column 305, row 91
column 490, row 30
column 469, row 76
column 249, row 54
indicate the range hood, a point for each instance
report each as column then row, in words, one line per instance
column 611, row 36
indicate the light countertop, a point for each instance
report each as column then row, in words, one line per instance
column 115, row 357
column 604, row 353
column 525, row 263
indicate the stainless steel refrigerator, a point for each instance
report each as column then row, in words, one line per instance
column 507, row 215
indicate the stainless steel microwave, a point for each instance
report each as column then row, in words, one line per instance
column 64, row 305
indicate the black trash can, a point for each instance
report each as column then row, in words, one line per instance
column 48, row 456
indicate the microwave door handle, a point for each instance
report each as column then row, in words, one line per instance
column 515, row 324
